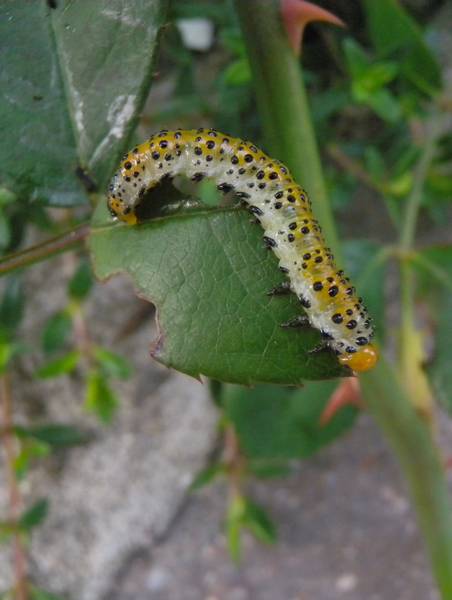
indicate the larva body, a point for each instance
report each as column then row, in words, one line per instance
column 284, row 211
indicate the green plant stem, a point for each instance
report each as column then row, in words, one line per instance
column 47, row 249
column 288, row 127
column 283, row 105
column 15, row 497
column 421, row 464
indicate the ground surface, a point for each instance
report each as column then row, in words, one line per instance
column 346, row 530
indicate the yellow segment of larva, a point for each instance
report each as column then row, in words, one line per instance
column 284, row 211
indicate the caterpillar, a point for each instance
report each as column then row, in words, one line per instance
column 283, row 209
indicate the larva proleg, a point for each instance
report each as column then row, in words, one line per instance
column 282, row 208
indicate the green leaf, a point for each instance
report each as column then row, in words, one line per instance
column 268, row 469
column 209, row 274
column 395, row 33
column 238, row 72
column 256, row 519
column 35, row 515
column 206, row 476
column 29, row 451
column 5, row 231
column 12, row 305
column 82, row 281
column 283, row 423
column 100, row 398
column 112, row 364
column 60, row 366
column 68, row 103
column 53, row 434
column 56, row 331
column 234, row 521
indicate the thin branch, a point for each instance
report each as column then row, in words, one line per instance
column 47, row 249
column 15, row 498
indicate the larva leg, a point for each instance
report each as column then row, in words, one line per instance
column 321, row 347
column 298, row 322
column 281, row 289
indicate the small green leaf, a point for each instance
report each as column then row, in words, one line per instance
column 35, row 515
column 112, row 364
column 6, row 196
column 12, row 305
column 206, row 476
column 81, row 282
column 53, row 434
column 56, row 332
column 395, row 33
column 29, row 451
column 234, row 520
column 238, row 72
column 100, row 398
column 256, row 519
column 60, row 366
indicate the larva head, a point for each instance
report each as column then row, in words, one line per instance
column 362, row 360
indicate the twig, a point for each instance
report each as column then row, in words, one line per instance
column 15, row 498
column 51, row 247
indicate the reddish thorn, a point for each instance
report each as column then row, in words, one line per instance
column 296, row 14
column 347, row 393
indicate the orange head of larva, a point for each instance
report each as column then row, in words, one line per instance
column 363, row 360
column 119, row 209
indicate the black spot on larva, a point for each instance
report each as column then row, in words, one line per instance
column 209, row 158
column 212, row 133
column 168, row 157
column 273, row 175
column 200, row 130
column 337, row 318
column 230, row 171
column 283, row 269
column 269, row 242
column 210, row 144
column 127, row 178
column 241, row 171
column 307, row 256
column 318, row 259
column 304, row 230
column 198, row 177
column 253, row 148
column 317, row 286
column 242, row 195
column 256, row 210
column 278, row 205
column 283, row 169
column 350, row 350
column 362, row 341
column 178, row 135
column 351, row 324
column 260, row 175
column 333, row 291
column 291, row 198
column 261, row 185
column 224, row 187
column 250, row 185
column 292, row 226
column 198, row 151
column 234, row 160
column 155, row 155
column 304, row 265
column 128, row 165
column 279, row 195
column 349, row 312
column 248, row 158
column 135, row 150
column 305, row 302
column 163, row 144
column 326, row 335
column 136, row 173
column 291, row 237
column 198, row 139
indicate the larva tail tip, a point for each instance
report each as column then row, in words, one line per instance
column 363, row 360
